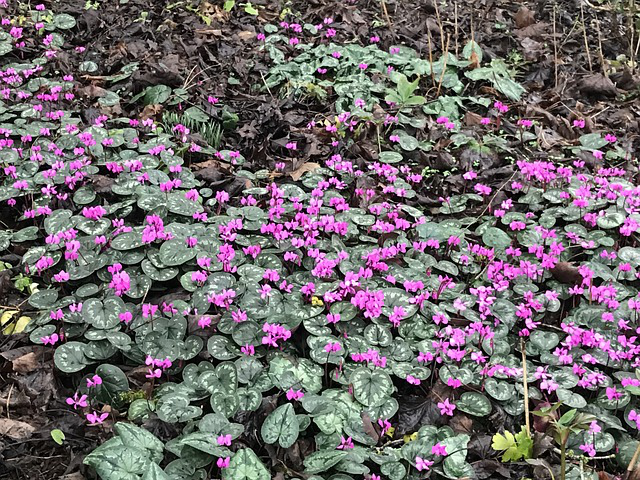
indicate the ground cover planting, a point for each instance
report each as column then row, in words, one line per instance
column 417, row 278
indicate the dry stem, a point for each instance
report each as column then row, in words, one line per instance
column 584, row 33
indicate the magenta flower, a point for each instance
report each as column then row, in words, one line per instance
column 95, row 418
column 439, row 449
column 294, row 394
column 413, row 380
column 422, row 464
column 76, row 401
column 345, row 444
column 248, row 350
column 446, row 407
column 94, row 381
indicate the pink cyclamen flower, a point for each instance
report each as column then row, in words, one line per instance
column 634, row 417
column 501, row 107
column 446, row 407
column 50, row 339
column 248, row 350
column 95, row 418
column 589, row 449
column 94, row 381
column 345, row 444
column 294, row 394
column 76, row 401
column 224, row 440
column 332, row 347
column 223, row 462
column 125, row 317
column 422, row 464
column 439, row 449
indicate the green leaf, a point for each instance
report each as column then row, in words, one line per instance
column 281, row 426
column 470, row 48
column 245, row 465
column 174, row 407
column 175, row 252
column 544, row 340
column 499, row 390
column 371, row 388
column 43, row 299
column 503, row 442
column 156, row 94
column 322, row 460
column 69, row 357
column 155, row 473
column 496, row 238
column 136, row 437
column 228, row 5
column 225, row 404
column 58, row 436
column 118, row 462
column 475, row 404
column 390, row 157
column 407, row 142
column 514, row 447
column 103, row 315
column 196, row 114
column 592, row 141
column 250, row 9
column 64, row 21
column 114, row 381
column 612, row 219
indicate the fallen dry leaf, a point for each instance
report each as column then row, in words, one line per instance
column 474, row 61
column 305, row 167
column 598, row 84
column 472, row 119
column 246, row 35
column 566, row 272
column 26, row 363
column 369, row 428
column 72, row 476
column 15, row 429
column 524, row 17
column 151, row 111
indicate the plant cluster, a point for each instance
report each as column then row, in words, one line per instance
column 291, row 322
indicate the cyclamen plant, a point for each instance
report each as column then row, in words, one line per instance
column 331, row 299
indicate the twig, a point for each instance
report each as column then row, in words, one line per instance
column 584, row 33
column 433, row 78
column 634, row 459
column 525, row 387
column 444, row 65
column 572, row 455
column 8, row 400
column 265, row 84
column 602, row 64
column 455, row 24
column 383, row 4
column 631, row 26
column 435, row 4
column 555, row 47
